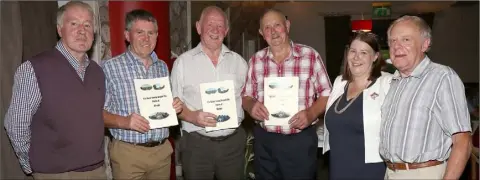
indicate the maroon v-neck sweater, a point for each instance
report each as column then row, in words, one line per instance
column 67, row 129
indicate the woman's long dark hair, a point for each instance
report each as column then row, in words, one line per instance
column 372, row 40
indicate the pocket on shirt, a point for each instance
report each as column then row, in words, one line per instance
column 304, row 77
column 237, row 81
column 191, row 91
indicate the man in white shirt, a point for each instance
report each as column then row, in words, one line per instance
column 219, row 154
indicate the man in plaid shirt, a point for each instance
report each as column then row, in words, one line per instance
column 285, row 152
column 136, row 151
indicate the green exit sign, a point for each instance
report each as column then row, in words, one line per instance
column 381, row 10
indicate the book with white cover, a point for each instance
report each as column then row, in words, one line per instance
column 219, row 98
column 154, row 97
column 280, row 99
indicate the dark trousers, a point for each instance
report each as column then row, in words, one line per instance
column 206, row 159
column 288, row 157
column 322, row 161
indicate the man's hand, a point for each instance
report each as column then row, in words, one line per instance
column 259, row 111
column 204, row 119
column 137, row 123
column 300, row 120
column 177, row 105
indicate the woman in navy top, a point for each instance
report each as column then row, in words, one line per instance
column 352, row 119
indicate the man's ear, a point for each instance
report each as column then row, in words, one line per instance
column 287, row 24
column 59, row 30
column 426, row 45
column 260, row 32
column 127, row 37
column 199, row 29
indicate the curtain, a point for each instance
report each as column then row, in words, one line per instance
column 337, row 35
column 11, row 55
column 27, row 28
column 39, row 31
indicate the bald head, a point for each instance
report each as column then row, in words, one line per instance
column 272, row 12
column 274, row 27
column 213, row 10
column 212, row 28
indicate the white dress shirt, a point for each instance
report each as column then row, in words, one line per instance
column 193, row 68
column 373, row 98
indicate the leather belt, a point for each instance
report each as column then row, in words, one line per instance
column 149, row 143
column 408, row 166
column 218, row 138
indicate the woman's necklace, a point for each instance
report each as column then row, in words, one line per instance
column 351, row 101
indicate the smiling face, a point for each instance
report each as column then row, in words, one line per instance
column 212, row 28
column 360, row 58
column 142, row 37
column 274, row 28
column 407, row 46
column 76, row 30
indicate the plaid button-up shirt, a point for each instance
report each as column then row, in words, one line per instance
column 120, row 97
column 304, row 62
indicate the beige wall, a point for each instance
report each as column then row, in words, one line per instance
column 455, row 32
column 455, row 41
column 307, row 27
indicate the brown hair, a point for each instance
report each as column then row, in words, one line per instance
column 372, row 40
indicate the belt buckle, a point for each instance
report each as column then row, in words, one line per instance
column 394, row 168
column 219, row 138
column 158, row 143
column 150, row 144
column 153, row 143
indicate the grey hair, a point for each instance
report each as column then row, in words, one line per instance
column 272, row 10
column 424, row 28
column 139, row 14
column 62, row 9
column 214, row 8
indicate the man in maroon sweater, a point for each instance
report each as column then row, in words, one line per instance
column 55, row 120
